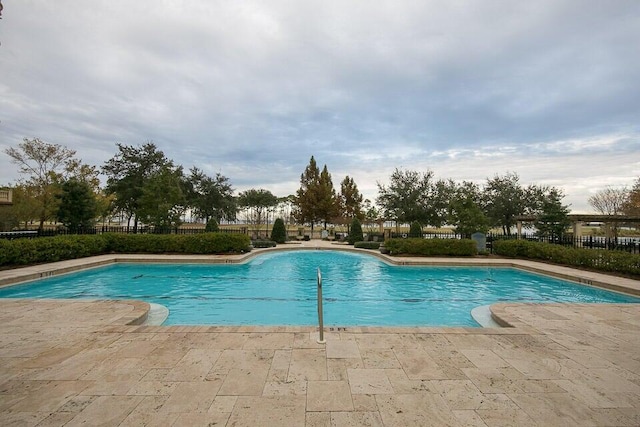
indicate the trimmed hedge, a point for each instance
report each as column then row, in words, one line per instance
column 367, row 245
column 59, row 248
column 50, row 249
column 602, row 260
column 263, row 244
column 431, row 247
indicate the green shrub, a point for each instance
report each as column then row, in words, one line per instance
column 431, row 247
column 59, row 248
column 355, row 232
column 212, row 226
column 415, row 230
column 603, row 260
column 279, row 232
column 263, row 243
column 205, row 243
column 50, row 249
column 367, row 245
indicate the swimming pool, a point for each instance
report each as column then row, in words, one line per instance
column 279, row 288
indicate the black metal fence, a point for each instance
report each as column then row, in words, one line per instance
column 49, row 232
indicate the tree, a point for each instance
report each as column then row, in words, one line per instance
column 279, row 232
column 26, row 206
column 355, row 235
column 211, row 197
column 212, row 226
column 371, row 214
column 163, row 200
column 257, row 204
column 350, row 200
column 609, row 201
column 128, row 172
column 45, row 165
column 327, row 199
column 465, row 210
column 553, row 219
column 77, row 208
column 409, row 197
column 506, row 199
column 415, row 230
column 632, row 205
column 307, row 198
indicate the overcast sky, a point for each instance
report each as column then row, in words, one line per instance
column 469, row 89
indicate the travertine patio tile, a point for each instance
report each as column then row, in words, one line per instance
column 204, row 419
column 376, row 358
column 450, row 357
column 506, row 418
column 108, row 388
column 283, row 411
column 106, row 411
column 369, row 381
column 117, row 369
column 308, row 365
column 403, row 385
column 415, row 410
column 229, row 341
column 244, row 382
column 56, row 419
column 554, row 408
column 147, row 413
column 50, row 357
column 459, row 394
column 472, row 342
column 356, row 419
column 152, row 388
column 589, row 396
column 285, row 388
column 495, row 380
column 274, row 341
column 76, row 404
column 50, row 397
column 328, row 396
column 418, row 364
column 318, row 419
column 192, row 397
column 615, row 417
column 342, row 350
column 468, row 418
column 485, row 359
column 364, row 402
column 23, row 418
column 387, row 341
column 223, row 404
column 243, row 359
column 194, row 366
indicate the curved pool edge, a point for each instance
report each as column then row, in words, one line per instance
column 589, row 278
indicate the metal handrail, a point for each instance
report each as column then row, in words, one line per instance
column 321, row 339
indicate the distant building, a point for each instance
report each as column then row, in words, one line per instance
column 6, row 196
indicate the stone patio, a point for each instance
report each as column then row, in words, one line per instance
column 77, row 362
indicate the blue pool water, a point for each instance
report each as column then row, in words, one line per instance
column 280, row 289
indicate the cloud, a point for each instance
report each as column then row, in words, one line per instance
column 253, row 89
